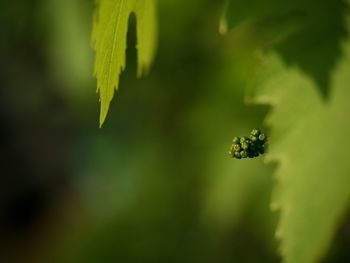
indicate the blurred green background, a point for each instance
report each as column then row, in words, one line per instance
column 155, row 184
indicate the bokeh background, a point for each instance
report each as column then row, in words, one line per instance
column 155, row 184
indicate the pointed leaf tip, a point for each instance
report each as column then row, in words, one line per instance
column 109, row 39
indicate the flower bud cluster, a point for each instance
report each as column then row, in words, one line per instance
column 249, row 147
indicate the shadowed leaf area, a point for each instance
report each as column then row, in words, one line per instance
column 306, row 34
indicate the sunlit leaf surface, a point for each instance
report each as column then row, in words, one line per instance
column 109, row 41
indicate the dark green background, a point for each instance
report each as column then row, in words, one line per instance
column 155, row 184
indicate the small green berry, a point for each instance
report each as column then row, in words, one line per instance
column 237, row 155
column 236, row 140
column 253, row 138
column 255, row 132
column 244, row 154
column 243, row 139
column 236, row 147
column 245, row 146
column 262, row 137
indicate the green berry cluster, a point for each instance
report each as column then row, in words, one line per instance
column 249, row 147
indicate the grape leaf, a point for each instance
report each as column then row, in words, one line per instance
column 109, row 38
column 309, row 140
column 303, row 30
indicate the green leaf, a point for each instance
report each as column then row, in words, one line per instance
column 302, row 31
column 109, row 38
column 309, row 139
